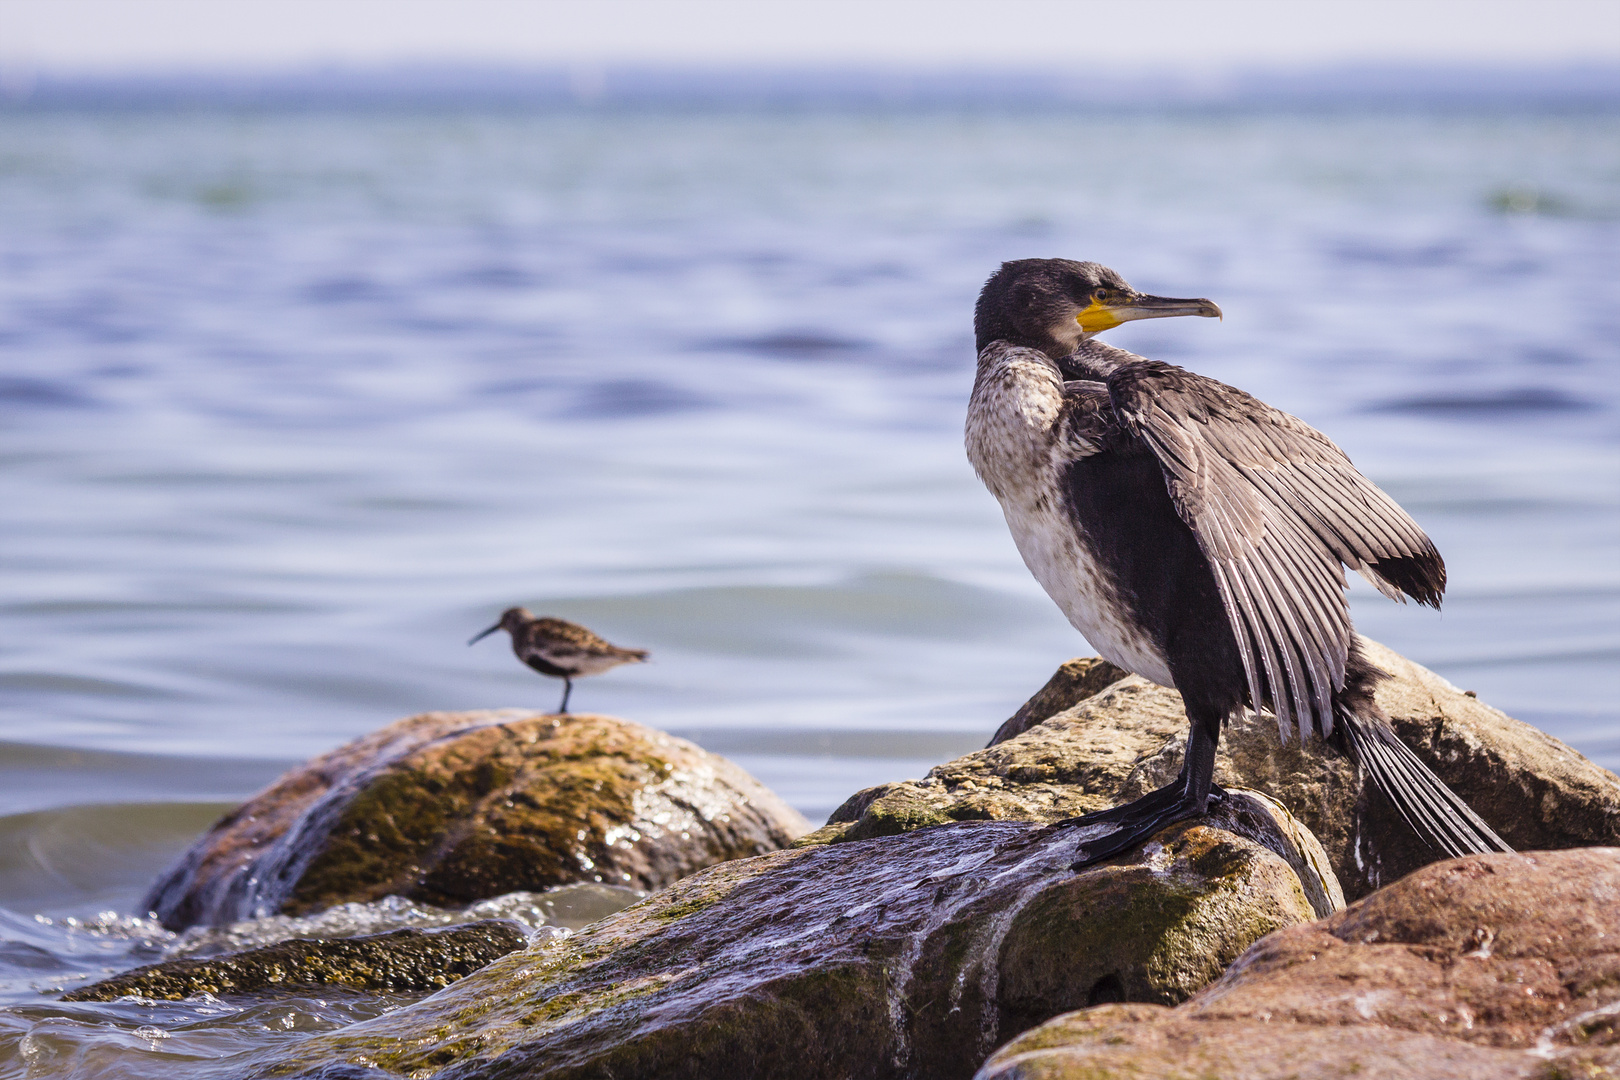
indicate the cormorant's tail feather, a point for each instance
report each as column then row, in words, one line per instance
column 1434, row 811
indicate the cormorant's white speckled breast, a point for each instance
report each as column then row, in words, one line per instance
column 1015, row 445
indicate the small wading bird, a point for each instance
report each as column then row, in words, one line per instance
column 1195, row 536
column 559, row 648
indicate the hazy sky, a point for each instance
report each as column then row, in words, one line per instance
column 101, row 35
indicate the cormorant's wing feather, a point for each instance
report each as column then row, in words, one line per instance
column 1276, row 508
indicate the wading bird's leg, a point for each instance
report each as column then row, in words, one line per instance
column 1188, row 795
column 568, row 688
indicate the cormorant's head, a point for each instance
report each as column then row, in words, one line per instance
column 513, row 619
column 1055, row 304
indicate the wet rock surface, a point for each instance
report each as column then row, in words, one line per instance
column 1128, row 739
column 398, row 961
column 1493, row 966
column 450, row 808
column 908, row 955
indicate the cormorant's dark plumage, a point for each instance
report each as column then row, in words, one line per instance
column 1195, row 535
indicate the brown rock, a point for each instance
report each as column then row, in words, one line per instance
column 448, row 808
column 1492, row 966
column 1071, row 684
column 1532, row 789
column 909, row 955
column 1129, row 738
column 1070, row 764
column 399, row 961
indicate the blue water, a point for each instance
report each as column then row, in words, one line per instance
column 293, row 401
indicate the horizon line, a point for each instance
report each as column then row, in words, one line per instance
column 590, row 82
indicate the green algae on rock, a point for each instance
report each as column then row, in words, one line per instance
column 1492, row 967
column 1128, row 739
column 908, row 955
column 450, row 808
column 398, row 961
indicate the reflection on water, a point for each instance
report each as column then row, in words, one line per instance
column 294, row 401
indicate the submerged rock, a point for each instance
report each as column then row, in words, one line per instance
column 1128, row 739
column 449, row 808
column 910, row 955
column 398, row 961
column 1492, row 966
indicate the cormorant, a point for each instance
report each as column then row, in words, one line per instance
column 1195, row 536
column 559, row 648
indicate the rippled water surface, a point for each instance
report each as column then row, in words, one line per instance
column 292, row 402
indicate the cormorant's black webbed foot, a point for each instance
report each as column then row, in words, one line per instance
column 1189, row 795
column 1136, row 821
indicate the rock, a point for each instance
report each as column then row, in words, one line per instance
column 1070, row 764
column 1071, row 684
column 398, row 961
column 1536, row 792
column 907, row 955
column 1128, row 739
column 1492, row 966
column 449, row 808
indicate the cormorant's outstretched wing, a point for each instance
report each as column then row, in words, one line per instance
column 1276, row 508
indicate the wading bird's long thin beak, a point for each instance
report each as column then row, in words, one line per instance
column 476, row 638
column 1100, row 316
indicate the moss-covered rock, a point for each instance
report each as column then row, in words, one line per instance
column 449, row 808
column 1493, row 967
column 1128, row 739
column 399, row 961
column 905, row 955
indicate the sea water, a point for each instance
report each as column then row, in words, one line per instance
column 295, row 400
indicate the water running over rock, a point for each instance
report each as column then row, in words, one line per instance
column 909, row 955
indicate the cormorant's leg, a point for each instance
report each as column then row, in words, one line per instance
column 1188, row 795
column 568, row 688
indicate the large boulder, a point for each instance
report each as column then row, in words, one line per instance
column 907, row 955
column 1490, row 967
column 452, row 807
column 1073, row 682
column 1128, row 738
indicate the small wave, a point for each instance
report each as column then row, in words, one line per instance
column 88, row 858
column 1425, row 256
column 1592, row 652
column 790, row 345
column 1526, row 401
column 55, row 779
column 554, row 912
column 47, row 954
column 801, row 619
column 929, row 746
column 346, row 290
column 52, row 682
column 19, row 392
column 635, row 397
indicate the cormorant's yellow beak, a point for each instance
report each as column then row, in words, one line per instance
column 1100, row 316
